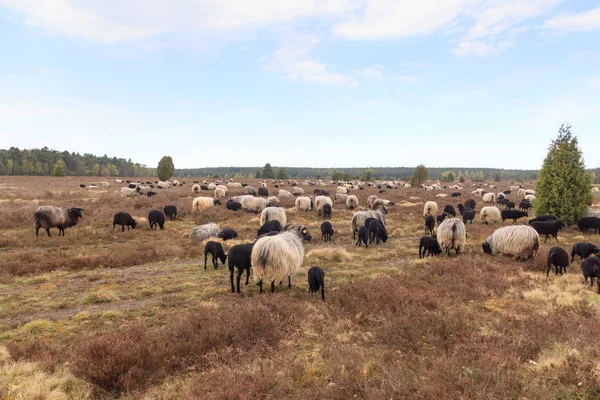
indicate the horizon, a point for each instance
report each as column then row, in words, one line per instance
column 324, row 84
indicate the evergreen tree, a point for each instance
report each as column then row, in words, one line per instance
column 419, row 176
column 59, row 168
column 336, row 175
column 367, row 175
column 461, row 179
column 268, row 172
column 346, row 177
column 448, row 176
column 257, row 174
column 564, row 187
column 282, row 173
column 165, row 168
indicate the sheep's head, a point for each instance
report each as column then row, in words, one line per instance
column 304, row 234
column 217, row 202
column 133, row 224
column 487, row 249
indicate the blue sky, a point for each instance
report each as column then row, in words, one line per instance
column 302, row 82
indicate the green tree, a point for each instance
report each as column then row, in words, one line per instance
column 419, row 176
column 268, row 172
column 281, row 173
column 346, row 177
column 497, row 177
column 258, row 174
column 461, row 179
column 9, row 167
column 367, row 175
column 59, row 168
column 165, row 168
column 564, row 187
column 448, row 176
column 337, row 175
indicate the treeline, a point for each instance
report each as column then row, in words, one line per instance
column 52, row 162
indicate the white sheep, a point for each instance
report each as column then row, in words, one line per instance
column 222, row 187
column 359, row 217
column 430, row 207
column 340, row 198
column 211, row 186
column 297, row 191
column 202, row 203
column 219, row 193
column 255, row 204
column 529, row 191
column 371, row 199
column 163, row 184
column 341, row 190
column 274, row 200
column 530, row 197
column 490, row 214
column 128, row 192
column 105, row 184
column 304, row 204
column 489, row 198
column 521, row 241
column 452, row 235
column 320, row 201
column 196, row 188
column 284, row 194
column 521, row 193
column 441, row 195
column 352, row 202
column 275, row 258
column 205, row 231
column 273, row 213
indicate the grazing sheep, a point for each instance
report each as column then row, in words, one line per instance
column 359, row 217
column 449, row 210
column 156, row 218
column 429, row 224
column 304, row 204
column 510, row 205
column 479, row 192
column 196, row 188
column 171, row 212
column 130, row 186
column 211, row 186
column 381, row 203
column 297, row 191
column 547, row 228
column 326, row 231
column 513, row 214
column 583, row 250
column 558, row 257
column 81, row 185
column 341, row 190
column 452, row 235
column 455, row 194
column 490, row 214
column 251, row 191
column 128, row 192
column 340, row 198
column 219, row 193
column 529, row 192
column 204, row 187
column 55, row 217
column 363, row 236
column 500, row 195
column 586, row 223
column 163, row 185
column 320, row 201
column 467, row 213
column 440, row 218
column 270, row 226
column 263, row 192
column 273, row 214
column 371, row 199
column 240, row 256
column 414, row 198
column 233, row 205
column 530, row 197
column 316, row 281
column 255, row 204
column 299, row 230
column 352, row 202
column 377, row 232
column 591, row 269
column 504, row 201
column 521, row 193
column 216, row 251
column 430, row 207
column 320, row 192
column 284, row 194
column 520, row 241
column 428, row 245
column 543, row 218
column 277, row 257
column 327, row 210
column 123, row 218
column 273, row 200
column 489, row 198
column 205, row 231
column 228, row 234
column 234, row 184
column 203, row 203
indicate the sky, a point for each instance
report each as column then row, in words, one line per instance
column 312, row 83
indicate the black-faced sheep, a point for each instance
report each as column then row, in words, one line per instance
column 452, row 235
column 326, row 211
column 228, row 234
column 359, row 217
column 429, row 224
column 299, row 230
column 240, row 257
column 326, row 231
column 273, row 214
column 55, row 217
column 271, row 226
column 520, row 241
column 467, row 213
column 513, row 214
column 590, row 268
column 216, row 251
column 156, row 218
column 233, row 205
column 428, row 245
column 363, row 236
column 440, row 218
column 377, row 232
column 123, row 219
column 503, row 200
column 449, row 210
column 352, row 202
column 547, row 228
column 558, row 257
column 316, row 281
column 205, row 231
column 586, row 223
column 583, row 250
column 276, row 257
column 171, row 212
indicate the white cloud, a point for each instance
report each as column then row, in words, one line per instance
column 578, row 22
column 371, row 73
column 406, row 78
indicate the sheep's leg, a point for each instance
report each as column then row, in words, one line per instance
column 48, row 232
column 122, row 228
column 205, row 259
column 230, row 278
column 323, row 290
column 273, row 287
column 548, row 270
column 260, row 283
column 215, row 262
column 247, row 275
column 289, row 282
column 239, row 277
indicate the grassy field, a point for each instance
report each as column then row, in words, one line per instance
column 103, row 314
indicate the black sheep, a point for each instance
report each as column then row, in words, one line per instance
column 203, row 187
column 123, row 218
column 467, row 213
column 559, row 258
column 455, row 194
column 368, row 221
column 227, row 234
column 510, row 205
column 150, row 193
column 430, row 246
column 156, row 218
column 470, row 204
column 240, row 256
column 82, row 185
column 503, row 200
column 591, row 269
column 543, row 218
column 440, row 218
column 548, row 228
column 381, row 191
column 586, row 223
column 513, row 214
column 171, row 212
column 524, row 205
column 270, row 226
column 321, row 192
column 216, row 251
column 449, row 210
column 363, row 236
column 326, row 231
column 429, row 224
column 583, row 250
column 233, row 205
column 316, row 281
column 326, row 211
column 263, row 192
column 377, row 232
column 132, row 186
column 507, row 192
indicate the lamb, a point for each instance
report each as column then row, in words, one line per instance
column 513, row 214
column 363, row 236
column 130, row 186
column 316, row 281
column 171, row 212
column 203, row 203
column 520, row 241
column 273, row 214
column 428, row 245
column 504, row 201
column 377, row 232
column 81, row 185
column 123, row 218
column 284, row 194
column 352, row 202
column 558, row 257
column 128, row 192
column 489, row 198
column 547, row 228
column 490, row 214
column 55, row 217
column 467, row 213
column 156, row 218
column 429, row 224
column 271, row 226
column 591, row 269
column 216, row 251
column 228, row 234
column 586, row 223
column 219, row 193
column 583, row 250
column 452, row 235
column 449, row 210
column 297, row 191
column 263, row 192
column 430, row 207
column 204, row 187
column 196, row 188
column 470, row 203
column 359, row 217
column 205, row 231
column 327, row 211
column 277, row 257
column 233, row 205
column 304, row 204
column 255, row 204
column 240, row 256
column 326, row 231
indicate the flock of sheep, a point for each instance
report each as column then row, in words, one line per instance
column 278, row 251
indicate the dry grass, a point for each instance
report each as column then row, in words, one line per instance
column 134, row 314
